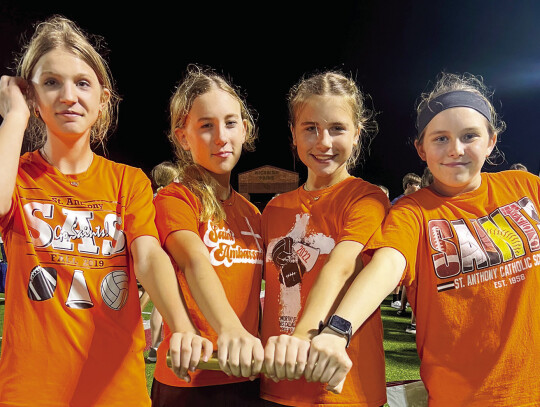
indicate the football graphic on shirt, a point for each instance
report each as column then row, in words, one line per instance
column 284, row 256
column 114, row 289
column 42, row 283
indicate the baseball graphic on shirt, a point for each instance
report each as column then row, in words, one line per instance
column 42, row 283
column 114, row 289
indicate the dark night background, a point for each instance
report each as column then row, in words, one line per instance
column 392, row 48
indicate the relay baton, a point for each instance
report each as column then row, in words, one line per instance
column 211, row 364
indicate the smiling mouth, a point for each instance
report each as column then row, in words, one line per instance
column 323, row 158
column 223, row 154
column 69, row 113
column 460, row 164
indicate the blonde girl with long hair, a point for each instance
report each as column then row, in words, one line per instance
column 79, row 232
column 213, row 235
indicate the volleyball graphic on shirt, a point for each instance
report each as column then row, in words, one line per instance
column 114, row 289
column 42, row 283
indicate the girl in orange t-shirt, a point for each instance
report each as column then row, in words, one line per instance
column 313, row 237
column 213, row 235
column 79, row 232
column 467, row 247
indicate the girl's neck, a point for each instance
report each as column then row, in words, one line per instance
column 72, row 158
column 223, row 185
column 452, row 192
column 315, row 183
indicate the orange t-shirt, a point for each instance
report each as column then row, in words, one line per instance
column 235, row 248
column 73, row 331
column 472, row 279
column 300, row 229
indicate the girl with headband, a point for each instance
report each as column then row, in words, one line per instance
column 79, row 231
column 468, row 250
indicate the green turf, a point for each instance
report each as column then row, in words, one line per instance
column 402, row 361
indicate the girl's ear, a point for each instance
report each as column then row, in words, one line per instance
column 420, row 149
column 357, row 135
column 293, row 135
column 181, row 137
column 105, row 96
column 245, row 124
column 491, row 144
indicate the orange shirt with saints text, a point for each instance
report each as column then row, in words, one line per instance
column 73, row 331
column 300, row 229
column 235, row 251
column 472, row 277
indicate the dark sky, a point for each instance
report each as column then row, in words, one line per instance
column 392, row 48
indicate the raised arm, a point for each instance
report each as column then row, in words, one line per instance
column 239, row 352
column 154, row 270
column 15, row 114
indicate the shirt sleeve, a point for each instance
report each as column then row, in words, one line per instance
column 176, row 209
column 140, row 212
column 5, row 220
column 400, row 231
column 364, row 216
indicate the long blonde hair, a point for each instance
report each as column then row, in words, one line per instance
column 335, row 83
column 197, row 82
column 60, row 32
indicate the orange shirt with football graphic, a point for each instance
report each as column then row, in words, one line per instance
column 472, row 277
column 235, row 249
column 73, row 331
column 300, row 229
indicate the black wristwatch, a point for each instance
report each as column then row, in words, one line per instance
column 339, row 325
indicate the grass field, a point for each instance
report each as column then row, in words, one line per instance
column 402, row 361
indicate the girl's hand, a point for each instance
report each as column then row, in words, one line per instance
column 285, row 357
column 240, row 355
column 328, row 361
column 186, row 350
column 12, row 90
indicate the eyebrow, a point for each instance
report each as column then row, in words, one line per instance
column 234, row 115
column 447, row 131
column 472, row 129
column 315, row 123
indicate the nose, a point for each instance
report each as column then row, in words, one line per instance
column 220, row 135
column 69, row 95
column 456, row 148
column 324, row 140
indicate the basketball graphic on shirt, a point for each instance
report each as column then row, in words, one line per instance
column 284, row 256
column 42, row 283
column 114, row 289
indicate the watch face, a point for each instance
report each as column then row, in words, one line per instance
column 339, row 323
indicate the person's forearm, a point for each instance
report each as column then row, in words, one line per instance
column 341, row 267
column 376, row 280
column 157, row 276
column 324, row 296
column 209, row 295
column 11, row 137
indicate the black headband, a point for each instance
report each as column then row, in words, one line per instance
column 456, row 98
